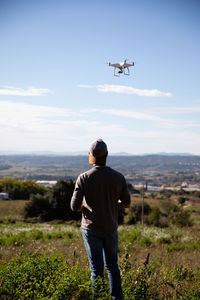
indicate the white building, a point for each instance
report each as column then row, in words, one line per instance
column 47, row 183
column 4, row 196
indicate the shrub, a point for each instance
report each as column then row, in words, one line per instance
column 14, row 239
column 176, row 247
column 163, row 221
column 164, row 240
column 180, row 217
column 181, row 200
column 136, row 282
column 135, row 212
column 38, row 206
column 197, row 194
column 132, row 236
column 61, row 198
column 154, row 217
column 166, row 207
column 21, row 189
column 55, row 204
column 145, row 241
column 40, row 276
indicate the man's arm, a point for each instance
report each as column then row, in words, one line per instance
column 77, row 197
column 125, row 198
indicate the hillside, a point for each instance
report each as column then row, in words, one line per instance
column 162, row 163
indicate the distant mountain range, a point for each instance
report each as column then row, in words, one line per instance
column 80, row 153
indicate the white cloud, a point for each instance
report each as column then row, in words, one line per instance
column 131, row 114
column 30, row 91
column 86, row 86
column 128, row 114
column 163, row 123
column 35, row 127
column 121, row 89
column 191, row 124
column 179, row 110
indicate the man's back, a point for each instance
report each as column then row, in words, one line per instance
column 97, row 193
column 101, row 188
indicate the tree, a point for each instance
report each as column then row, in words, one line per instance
column 55, row 204
column 38, row 206
column 21, row 189
column 154, row 216
column 135, row 212
column 180, row 217
column 181, row 200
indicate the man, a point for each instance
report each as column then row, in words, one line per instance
column 97, row 193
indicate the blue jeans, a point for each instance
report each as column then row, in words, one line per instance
column 102, row 250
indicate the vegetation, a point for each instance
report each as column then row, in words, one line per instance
column 55, row 204
column 20, row 189
column 12, row 211
column 48, row 261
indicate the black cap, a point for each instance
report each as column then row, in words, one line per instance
column 98, row 148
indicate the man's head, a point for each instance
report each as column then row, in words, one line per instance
column 98, row 153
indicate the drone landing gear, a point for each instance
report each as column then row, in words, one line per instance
column 127, row 73
column 115, row 73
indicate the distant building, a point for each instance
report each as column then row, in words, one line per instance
column 4, row 196
column 184, row 184
column 47, row 183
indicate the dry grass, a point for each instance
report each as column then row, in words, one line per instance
column 12, row 209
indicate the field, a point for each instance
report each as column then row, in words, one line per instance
column 48, row 260
column 12, row 210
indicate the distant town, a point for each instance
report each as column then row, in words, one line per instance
column 155, row 172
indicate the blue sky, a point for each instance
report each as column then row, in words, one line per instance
column 58, row 94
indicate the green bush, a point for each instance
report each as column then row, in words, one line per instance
column 166, row 207
column 145, row 241
column 164, row 240
column 181, row 200
column 44, row 276
column 13, row 239
column 154, row 216
column 38, row 206
column 55, row 204
column 21, row 189
column 136, row 282
column 40, row 276
column 135, row 212
column 180, row 217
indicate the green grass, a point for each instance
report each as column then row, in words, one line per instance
column 15, row 235
column 11, row 210
column 43, row 276
column 48, row 261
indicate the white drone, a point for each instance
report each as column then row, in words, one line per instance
column 122, row 67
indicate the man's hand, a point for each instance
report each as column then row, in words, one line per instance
column 122, row 205
column 80, row 209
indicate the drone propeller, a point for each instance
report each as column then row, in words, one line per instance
column 128, row 60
